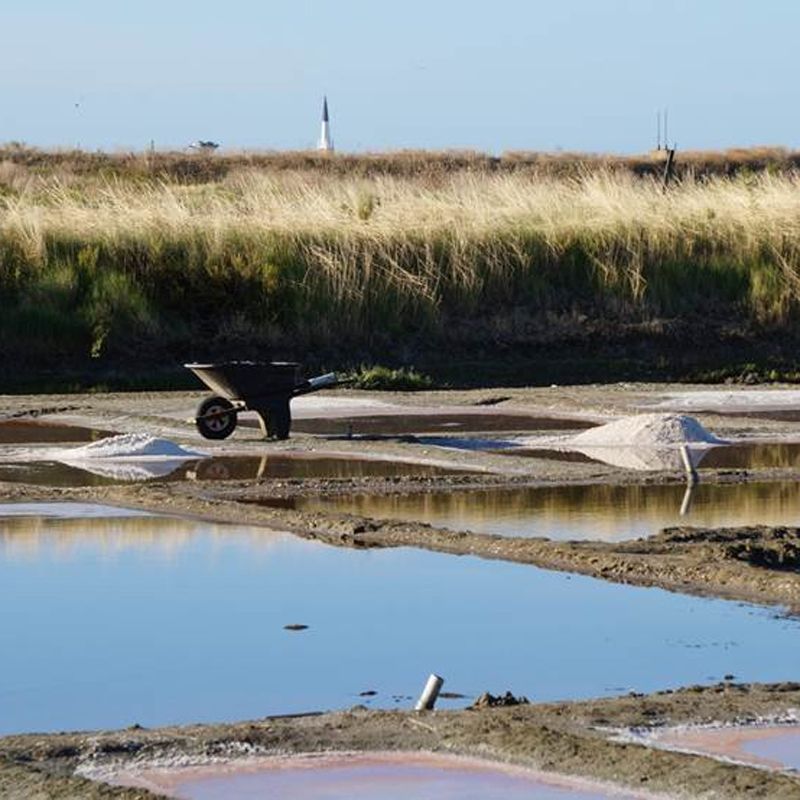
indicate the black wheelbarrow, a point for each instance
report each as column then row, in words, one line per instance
column 264, row 387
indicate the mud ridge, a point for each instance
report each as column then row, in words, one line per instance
column 752, row 564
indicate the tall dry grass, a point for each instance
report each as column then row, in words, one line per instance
column 93, row 264
column 421, row 164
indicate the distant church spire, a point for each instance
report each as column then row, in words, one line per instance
column 325, row 141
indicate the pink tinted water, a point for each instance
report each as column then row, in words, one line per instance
column 780, row 747
column 382, row 778
column 776, row 747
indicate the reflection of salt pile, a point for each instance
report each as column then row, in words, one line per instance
column 645, row 441
column 131, row 456
column 131, row 445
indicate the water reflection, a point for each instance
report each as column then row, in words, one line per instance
column 605, row 512
column 90, row 641
column 759, row 455
column 29, row 537
column 102, row 472
column 401, row 424
column 37, row 432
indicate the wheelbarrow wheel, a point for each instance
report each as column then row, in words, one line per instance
column 216, row 418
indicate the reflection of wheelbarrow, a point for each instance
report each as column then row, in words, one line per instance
column 263, row 387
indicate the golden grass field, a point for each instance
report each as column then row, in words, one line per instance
column 96, row 262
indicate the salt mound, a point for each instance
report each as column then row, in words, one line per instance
column 646, row 430
column 128, row 445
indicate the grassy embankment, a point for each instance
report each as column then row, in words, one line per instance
column 575, row 271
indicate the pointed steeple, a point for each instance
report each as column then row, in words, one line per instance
column 325, row 140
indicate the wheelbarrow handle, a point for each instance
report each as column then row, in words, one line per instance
column 327, row 381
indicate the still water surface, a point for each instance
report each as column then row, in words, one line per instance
column 368, row 777
column 111, row 622
column 783, row 747
column 99, row 472
column 607, row 512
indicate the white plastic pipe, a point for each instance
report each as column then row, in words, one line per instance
column 691, row 472
column 427, row 700
column 322, row 380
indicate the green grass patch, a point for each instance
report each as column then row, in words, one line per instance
column 402, row 379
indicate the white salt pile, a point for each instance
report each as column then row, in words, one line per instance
column 643, row 442
column 646, row 430
column 129, row 446
column 129, row 457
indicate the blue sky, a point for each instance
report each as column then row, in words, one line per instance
column 494, row 76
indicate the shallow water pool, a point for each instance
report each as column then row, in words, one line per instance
column 279, row 465
column 779, row 747
column 607, row 512
column 411, row 423
column 368, row 776
column 109, row 622
column 775, row 747
column 27, row 431
column 753, row 455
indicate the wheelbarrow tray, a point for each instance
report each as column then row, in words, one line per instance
column 264, row 387
column 243, row 381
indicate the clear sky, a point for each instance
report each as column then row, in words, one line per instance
column 494, row 75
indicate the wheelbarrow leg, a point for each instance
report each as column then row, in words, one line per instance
column 263, row 421
column 275, row 419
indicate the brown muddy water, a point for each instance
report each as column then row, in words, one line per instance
column 102, row 472
column 599, row 511
column 404, row 424
column 38, row 432
column 368, row 776
column 778, row 415
column 756, row 455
